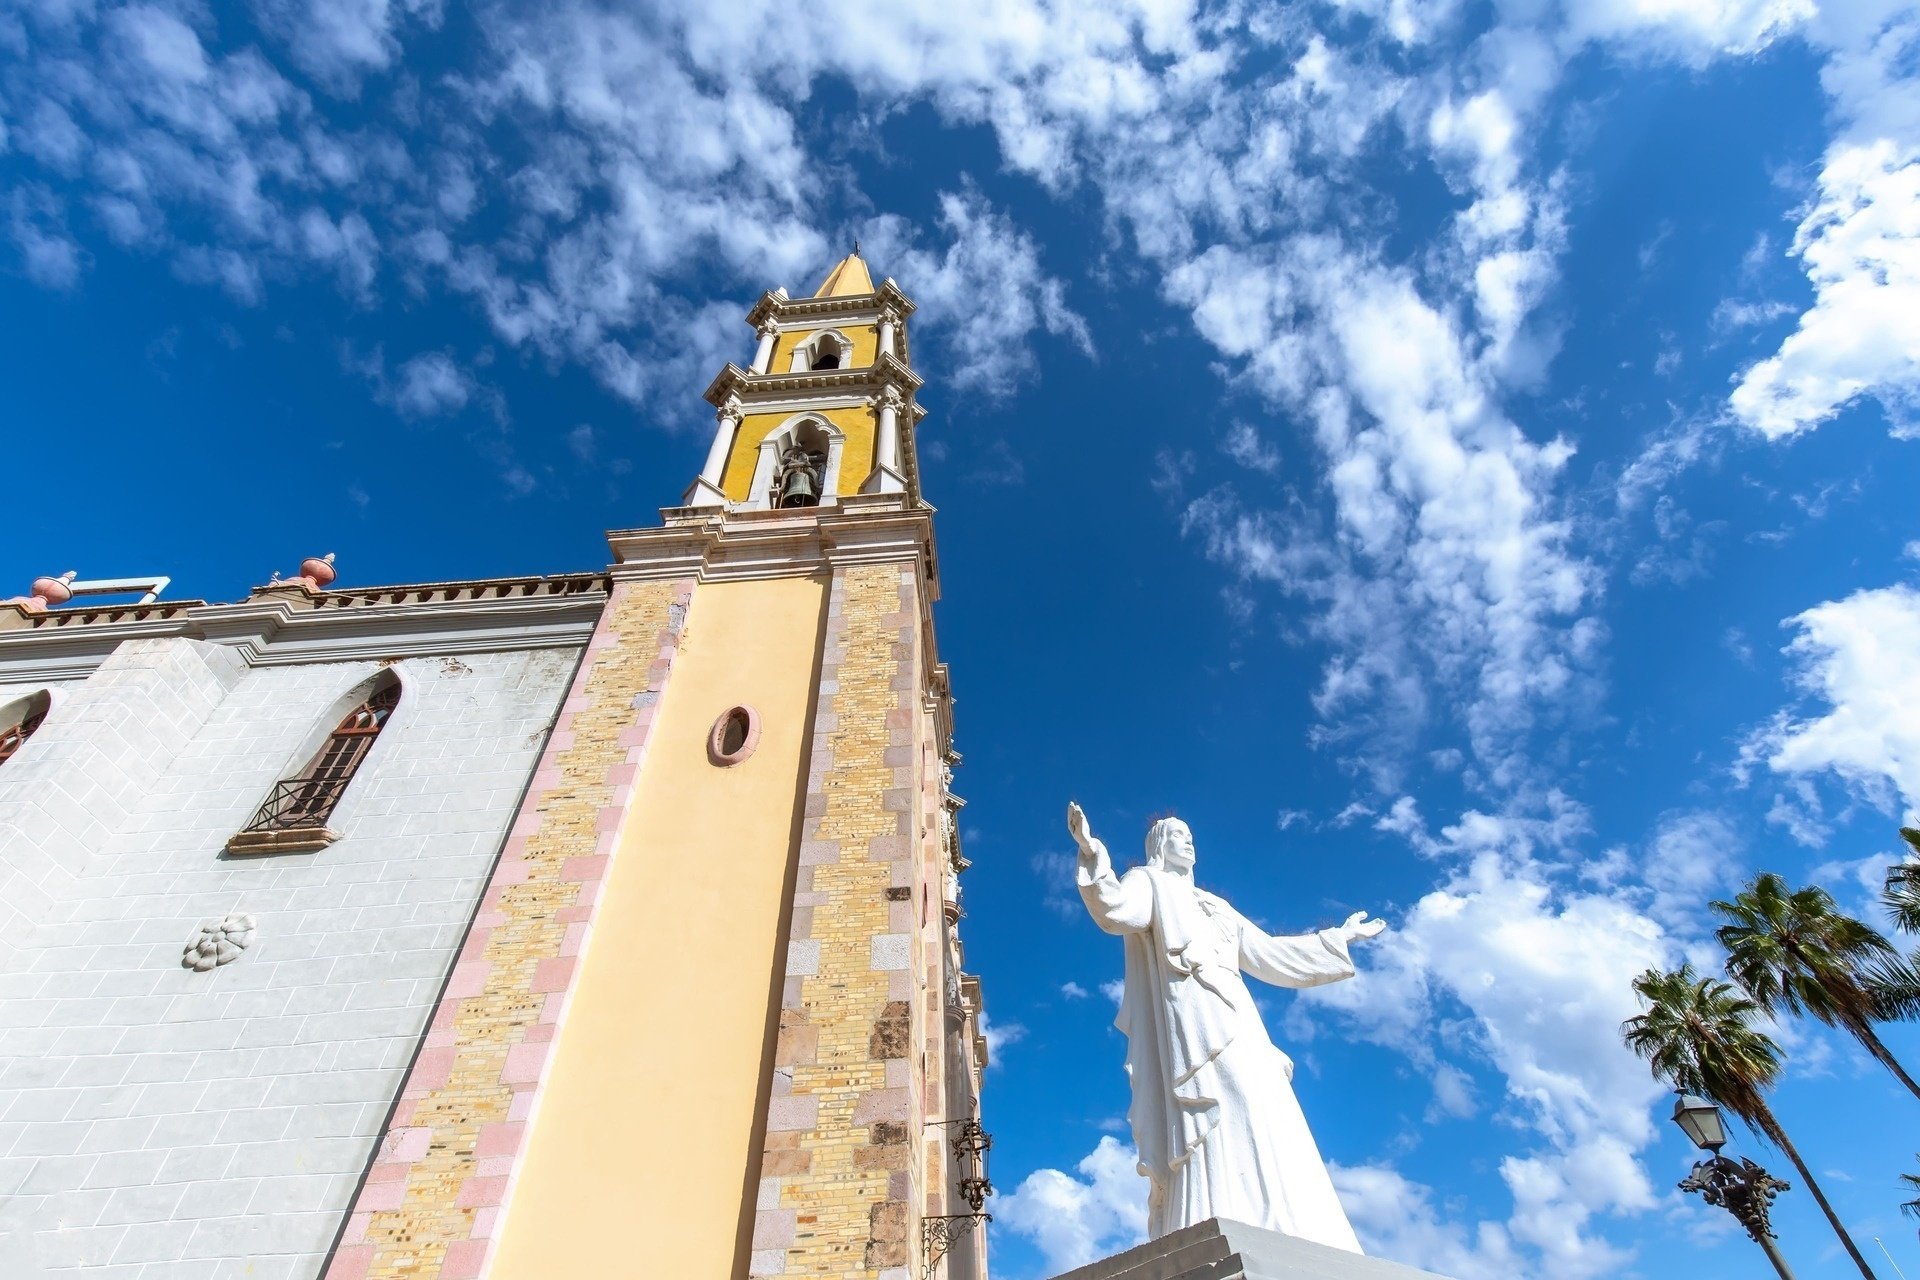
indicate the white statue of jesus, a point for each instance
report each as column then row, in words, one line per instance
column 1215, row 1121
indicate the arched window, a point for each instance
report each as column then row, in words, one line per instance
column 17, row 723
column 828, row 349
column 798, row 459
column 295, row 814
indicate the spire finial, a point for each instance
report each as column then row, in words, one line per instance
column 856, row 244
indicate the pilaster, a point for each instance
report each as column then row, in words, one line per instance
column 839, row 1179
column 431, row 1204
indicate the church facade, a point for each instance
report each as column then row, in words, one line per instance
column 601, row 924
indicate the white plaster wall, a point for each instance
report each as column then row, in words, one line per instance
column 76, row 781
column 156, row 1122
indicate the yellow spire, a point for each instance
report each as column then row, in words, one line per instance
column 849, row 278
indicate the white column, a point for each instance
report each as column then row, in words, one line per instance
column 886, row 477
column 764, row 353
column 706, row 491
column 889, row 325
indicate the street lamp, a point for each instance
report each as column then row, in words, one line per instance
column 1743, row 1189
column 1701, row 1121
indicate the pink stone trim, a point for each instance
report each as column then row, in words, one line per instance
column 484, row 1185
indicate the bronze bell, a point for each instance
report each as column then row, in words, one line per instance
column 798, row 487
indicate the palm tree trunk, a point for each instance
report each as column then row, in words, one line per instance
column 1864, row 1033
column 1772, row 1128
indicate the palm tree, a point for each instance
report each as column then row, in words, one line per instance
column 1698, row 1035
column 1796, row 950
column 1902, row 892
column 1911, row 1207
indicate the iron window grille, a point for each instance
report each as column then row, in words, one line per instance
column 13, row 736
column 306, row 802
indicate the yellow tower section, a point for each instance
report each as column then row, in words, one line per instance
column 710, row 1022
column 826, row 408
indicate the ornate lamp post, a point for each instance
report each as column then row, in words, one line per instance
column 1743, row 1189
column 970, row 1147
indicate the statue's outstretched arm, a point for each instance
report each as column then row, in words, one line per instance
column 1117, row 905
column 1307, row 960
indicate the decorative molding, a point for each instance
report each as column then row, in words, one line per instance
column 219, row 942
column 781, row 308
column 289, row 624
column 281, row 840
column 858, row 382
column 736, row 545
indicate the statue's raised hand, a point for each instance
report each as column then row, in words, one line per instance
column 1090, row 847
column 1358, row 926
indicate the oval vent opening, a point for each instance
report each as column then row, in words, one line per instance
column 735, row 734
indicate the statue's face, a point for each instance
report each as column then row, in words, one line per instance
column 1174, row 842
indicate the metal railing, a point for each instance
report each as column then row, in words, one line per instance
column 299, row 804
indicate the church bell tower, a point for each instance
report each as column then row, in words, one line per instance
column 826, row 411
column 711, row 1023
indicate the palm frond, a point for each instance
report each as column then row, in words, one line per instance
column 1699, row 1034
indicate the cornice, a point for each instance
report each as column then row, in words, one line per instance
column 731, row 546
column 887, row 293
column 740, row 546
column 281, row 627
column 884, row 371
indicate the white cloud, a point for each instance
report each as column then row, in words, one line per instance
column 1861, row 657
column 985, row 291
column 1073, row 991
column 1691, row 858
column 1396, row 1218
column 431, row 384
column 48, row 255
column 583, row 442
column 1076, row 1220
column 1856, row 883
column 1534, row 978
column 1732, row 313
column 999, row 1037
column 1446, row 564
column 1694, row 30
column 1861, row 247
column 337, row 42
column 1453, row 1094
column 1246, row 446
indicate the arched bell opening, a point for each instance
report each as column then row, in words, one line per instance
column 800, row 478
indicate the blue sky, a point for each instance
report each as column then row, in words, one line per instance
column 1457, row 455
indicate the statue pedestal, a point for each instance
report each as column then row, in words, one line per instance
column 1221, row 1249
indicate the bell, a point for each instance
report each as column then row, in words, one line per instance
column 798, row 489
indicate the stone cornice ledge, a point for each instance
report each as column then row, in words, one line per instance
column 712, row 546
column 278, row 632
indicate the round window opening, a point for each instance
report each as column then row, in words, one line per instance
column 735, row 734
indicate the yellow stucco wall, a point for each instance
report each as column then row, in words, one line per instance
column 643, row 1152
column 856, row 460
column 865, row 339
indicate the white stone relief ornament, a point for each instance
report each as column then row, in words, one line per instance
column 219, row 942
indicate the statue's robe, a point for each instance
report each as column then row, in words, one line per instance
column 1215, row 1121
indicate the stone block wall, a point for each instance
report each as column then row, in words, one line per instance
column 104, row 746
column 156, row 1122
column 838, row 1193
